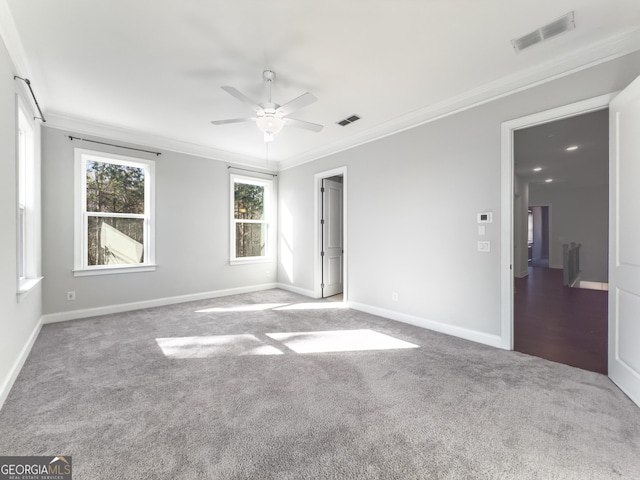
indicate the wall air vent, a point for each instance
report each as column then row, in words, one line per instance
column 561, row 25
column 348, row 120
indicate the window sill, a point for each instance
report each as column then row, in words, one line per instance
column 245, row 261
column 27, row 286
column 87, row 272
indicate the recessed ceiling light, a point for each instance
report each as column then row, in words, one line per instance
column 549, row 180
column 572, row 148
column 537, row 169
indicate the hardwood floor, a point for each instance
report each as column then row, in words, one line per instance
column 562, row 324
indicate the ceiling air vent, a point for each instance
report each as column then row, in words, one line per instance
column 561, row 25
column 348, row 120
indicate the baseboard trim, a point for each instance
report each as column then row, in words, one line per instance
column 453, row 330
column 298, row 290
column 19, row 363
column 158, row 302
column 593, row 285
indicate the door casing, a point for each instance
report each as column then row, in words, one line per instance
column 506, row 182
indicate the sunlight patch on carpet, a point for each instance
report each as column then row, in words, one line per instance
column 212, row 346
column 339, row 341
column 243, row 308
column 313, row 306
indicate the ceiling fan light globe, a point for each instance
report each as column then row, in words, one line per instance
column 270, row 124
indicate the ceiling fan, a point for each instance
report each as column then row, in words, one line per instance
column 271, row 117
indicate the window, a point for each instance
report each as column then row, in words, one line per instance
column 250, row 211
column 27, row 211
column 114, row 213
column 530, row 228
column 25, row 150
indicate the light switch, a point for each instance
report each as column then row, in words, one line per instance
column 484, row 246
column 482, row 229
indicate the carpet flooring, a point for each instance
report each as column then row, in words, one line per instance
column 260, row 386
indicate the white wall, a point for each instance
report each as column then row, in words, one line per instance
column 19, row 321
column 192, row 233
column 578, row 215
column 412, row 204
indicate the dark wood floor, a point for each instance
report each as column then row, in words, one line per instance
column 563, row 324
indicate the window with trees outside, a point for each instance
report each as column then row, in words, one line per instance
column 114, row 213
column 250, row 199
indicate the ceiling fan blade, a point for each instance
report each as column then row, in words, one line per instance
column 243, row 98
column 314, row 127
column 233, row 120
column 296, row 104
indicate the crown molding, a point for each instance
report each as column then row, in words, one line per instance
column 12, row 40
column 587, row 57
column 113, row 132
column 17, row 53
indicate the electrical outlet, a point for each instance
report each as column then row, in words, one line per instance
column 71, row 295
column 484, row 246
column 394, row 296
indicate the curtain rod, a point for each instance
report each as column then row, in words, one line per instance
column 253, row 171
column 28, row 82
column 114, row 145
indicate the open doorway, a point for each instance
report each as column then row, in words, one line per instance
column 538, row 235
column 562, row 164
column 331, row 237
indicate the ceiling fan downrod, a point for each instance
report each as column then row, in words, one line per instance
column 269, row 76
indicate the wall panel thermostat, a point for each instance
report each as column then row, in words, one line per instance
column 485, row 217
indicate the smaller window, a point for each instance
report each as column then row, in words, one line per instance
column 530, row 228
column 114, row 212
column 250, row 217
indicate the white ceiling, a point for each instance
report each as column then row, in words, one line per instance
column 150, row 71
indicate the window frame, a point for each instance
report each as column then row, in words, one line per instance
column 25, row 154
column 267, row 220
column 81, row 216
column 27, row 200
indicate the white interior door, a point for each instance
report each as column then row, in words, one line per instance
column 624, row 237
column 331, row 237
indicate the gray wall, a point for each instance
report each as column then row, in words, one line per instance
column 412, row 203
column 192, row 232
column 578, row 215
column 18, row 320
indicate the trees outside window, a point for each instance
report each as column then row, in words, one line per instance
column 115, row 212
column 249, row 217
